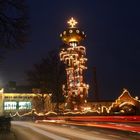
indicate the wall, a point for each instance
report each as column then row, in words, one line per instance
column 1, row 102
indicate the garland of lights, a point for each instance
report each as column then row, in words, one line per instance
column 86, row 110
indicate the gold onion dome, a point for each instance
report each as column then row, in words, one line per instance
column 72, row 34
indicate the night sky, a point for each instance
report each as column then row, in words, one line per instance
column 113, row 41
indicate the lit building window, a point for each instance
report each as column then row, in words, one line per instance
column 24, row 105
column 10, row 105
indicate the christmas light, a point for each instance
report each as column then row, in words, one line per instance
column 74, row 58
column 72, row 22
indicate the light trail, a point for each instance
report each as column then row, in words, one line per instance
column 40, row 131
column 71, row 133
column 110, row 122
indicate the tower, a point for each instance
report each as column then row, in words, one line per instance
column 73, row 56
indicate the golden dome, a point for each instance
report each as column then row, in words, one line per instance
column 72, row 34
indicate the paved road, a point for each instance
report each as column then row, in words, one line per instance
column 37, row 131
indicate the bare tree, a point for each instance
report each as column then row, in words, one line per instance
column 49, row 76
column 14, row 26
column 41, row 102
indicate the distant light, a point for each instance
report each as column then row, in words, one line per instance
column 136, row 97
column 1, row 90
column 50, row 94
column 87, row 108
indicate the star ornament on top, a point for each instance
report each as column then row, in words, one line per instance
column 72, row 22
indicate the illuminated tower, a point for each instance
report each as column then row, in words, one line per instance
column 73, row 56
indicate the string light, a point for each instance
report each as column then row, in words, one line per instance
column 74, row 58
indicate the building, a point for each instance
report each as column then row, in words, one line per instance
column 23, row 103
column 126, row 104
column 13, row 102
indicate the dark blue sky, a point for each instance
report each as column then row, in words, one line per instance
column 113, row 41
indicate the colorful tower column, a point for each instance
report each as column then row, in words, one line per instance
column 73, row 56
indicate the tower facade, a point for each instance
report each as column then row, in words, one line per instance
column 73, row 56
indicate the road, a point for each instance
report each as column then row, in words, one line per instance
column 45, row 131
